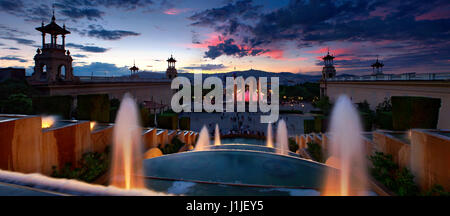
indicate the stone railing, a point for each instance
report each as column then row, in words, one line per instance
column 394, row 77
column 53, row 46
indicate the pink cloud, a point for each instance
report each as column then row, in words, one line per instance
column 438, row 13
column 279, row 55
column 175, row 11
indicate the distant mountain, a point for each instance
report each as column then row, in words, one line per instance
column 151, row 75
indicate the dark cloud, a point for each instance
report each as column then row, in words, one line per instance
column 40, row 13
column 122, row 4
column 315, row 22
column 13, row 58
column 11, row 6
column 80, row 56
column 101, row 33
column 206, row 67
column 228, row 47
column 7, row 31
column 211, row 17
column 75, row 12
column 20, row 40
column 11, row 48
column 93, row 49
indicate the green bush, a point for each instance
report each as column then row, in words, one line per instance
column 293, row 147
column 145, row 117
column 53, row 105
column 324, row 105
column 383, row 120
column 167, row 121
column 18, row 104
column 91, row 166
column 173, row 147
column 400, row 181
column 366, row 114
column 185, row 123
column 95, row 107
column 415, row 112
column 385, row 106
column 315, row 151
column 436, row 190
column 367, row 121
column 114, row 105
column 320, row 124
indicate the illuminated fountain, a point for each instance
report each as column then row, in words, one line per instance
column 203, row 140
column 346, row 152
column 48, row 121
column 126, row 168
column 217, row 135
column 269, row 142
column 282, row 138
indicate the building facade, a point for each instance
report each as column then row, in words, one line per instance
column 54, row 75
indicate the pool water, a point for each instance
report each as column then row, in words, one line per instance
column 261, row 142
column 202, row 189
column 233, row 172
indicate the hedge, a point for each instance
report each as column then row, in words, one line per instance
column 367, row 121
column 320, row 124
column 167, row 121
column 93, row 107
column 185, row 123
column 53, row 105
column 384, row 120
column 308, row 126
column 415, row 112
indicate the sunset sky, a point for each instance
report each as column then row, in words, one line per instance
column 224, row 35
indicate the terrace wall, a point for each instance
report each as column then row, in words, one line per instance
column 399, row 150
column 430, row 158
column 20, row 145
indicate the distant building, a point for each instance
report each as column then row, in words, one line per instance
column 54, row 75
column 52, row 62
column 377, row 68
column 376, row 87
column 171, row 71
column 12, row 73
column 328, row 71
column 134, row 70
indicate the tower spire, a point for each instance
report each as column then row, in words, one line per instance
column 53, row 12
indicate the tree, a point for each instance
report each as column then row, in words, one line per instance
column 18, row 104
column 324, row 105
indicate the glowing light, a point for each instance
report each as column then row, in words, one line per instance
column 47, row 121
column 92, row 125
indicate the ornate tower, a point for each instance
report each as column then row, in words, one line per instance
column 171, row 71
column 133, row 70
column 52, row 62
column 328, row 70
column 377, row 68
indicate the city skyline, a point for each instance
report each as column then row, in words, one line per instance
column 222, row 36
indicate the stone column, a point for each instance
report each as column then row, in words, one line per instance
column 43, row 39
column 64, row 42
